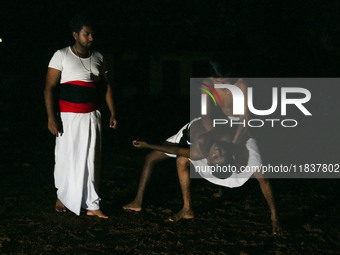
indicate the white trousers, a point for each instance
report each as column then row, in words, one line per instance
column 77, row 161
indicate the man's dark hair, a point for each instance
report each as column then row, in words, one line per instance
column 229, row 148
column 78, row 21
column 222, row 66
column 227, row 161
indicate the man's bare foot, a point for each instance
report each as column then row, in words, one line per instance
column 132, row 207
column 182, row 214
column 97, row 213
column 277, row 230
column 59, row 206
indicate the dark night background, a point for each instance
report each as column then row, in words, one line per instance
column 261, row 39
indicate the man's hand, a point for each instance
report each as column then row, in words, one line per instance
column 113, row 122
column 55, row 127
column 140, row 144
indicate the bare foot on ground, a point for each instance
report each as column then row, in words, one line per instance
column 132, row 207
column 182, row 214
column 97, row 213
column 59, row 207
column 277, row 230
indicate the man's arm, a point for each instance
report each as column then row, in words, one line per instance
column 52, row 79
column 171, row 148
column 110, row 102
column 241, row 130
column 207, row 120
column 268, row 194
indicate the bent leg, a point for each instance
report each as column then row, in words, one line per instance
column 268, row 194
column 151, row 159
column 183, row 165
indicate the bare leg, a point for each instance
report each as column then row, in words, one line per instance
column 59, row 206
column 151, row 159
column 183, row 165
column 268, row 194
column 97, row 213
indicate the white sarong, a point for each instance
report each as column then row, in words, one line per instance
column 77, row 161
column 235, row 179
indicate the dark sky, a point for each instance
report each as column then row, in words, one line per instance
column 266, row 38
column 280, row 32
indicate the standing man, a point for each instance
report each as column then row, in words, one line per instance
column 82, row 73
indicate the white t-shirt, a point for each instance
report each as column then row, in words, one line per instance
column 74, row 68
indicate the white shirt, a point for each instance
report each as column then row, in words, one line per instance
column 74, row 68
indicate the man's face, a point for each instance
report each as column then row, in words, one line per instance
column 85, row 37
column 217, row 154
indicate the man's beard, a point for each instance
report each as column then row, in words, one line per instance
column 87, row 46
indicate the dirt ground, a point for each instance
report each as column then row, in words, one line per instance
column 237, row 223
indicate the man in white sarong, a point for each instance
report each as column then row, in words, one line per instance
column 76, row 123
